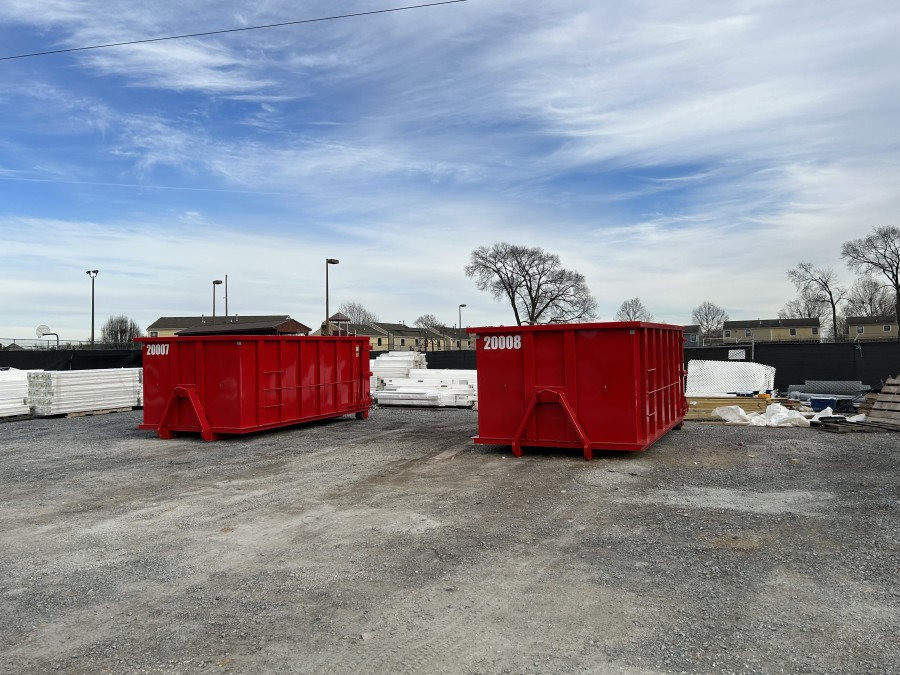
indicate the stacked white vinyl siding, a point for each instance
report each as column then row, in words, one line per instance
column 68, row 391
column 14, row 393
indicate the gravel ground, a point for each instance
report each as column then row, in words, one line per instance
column 394, row 545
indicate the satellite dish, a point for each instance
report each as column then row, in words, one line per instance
column 42, row 330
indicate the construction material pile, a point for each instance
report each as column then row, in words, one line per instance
column 393, row 365
column 430, row 388
column 839, row 394
column 69, row 391
column 14, row 393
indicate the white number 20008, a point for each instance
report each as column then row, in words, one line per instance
column 502, row 342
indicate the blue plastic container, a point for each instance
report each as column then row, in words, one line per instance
column 819, row 404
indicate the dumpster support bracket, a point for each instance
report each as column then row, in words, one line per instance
column 551, row 396
column 190, row 394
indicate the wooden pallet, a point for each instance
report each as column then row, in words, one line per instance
column 105, row 411
column 845, row 427
column 868, row 401
column 886, row 409
column 16, row 418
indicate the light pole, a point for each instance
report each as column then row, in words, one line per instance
column 93, row 275
column 460, row 322
column 215, row 283
column 328, row 261
column 226, row 298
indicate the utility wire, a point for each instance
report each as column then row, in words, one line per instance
column 229, row 30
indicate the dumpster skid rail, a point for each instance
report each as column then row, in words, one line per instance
column 603, row 386
column 218, row 385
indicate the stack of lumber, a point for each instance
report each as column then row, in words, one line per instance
column 886, row 408
column 73, row 391
column 430, row 388
column 14, row 393
column 868, row 402
column 392, row 365
column 701, row 407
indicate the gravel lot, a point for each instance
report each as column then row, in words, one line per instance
column 394, row 545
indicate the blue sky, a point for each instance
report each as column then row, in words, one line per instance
column 677, row 151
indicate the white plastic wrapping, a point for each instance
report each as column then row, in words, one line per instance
column 776, row 415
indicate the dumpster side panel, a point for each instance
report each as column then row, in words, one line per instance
column 157, row 373
column 502, row 384
column 607, row 392
column 214, row 368
column 326, row 383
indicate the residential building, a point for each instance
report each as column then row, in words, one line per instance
column 382, row 336
column 872, row 328
column 399, row 337
column 692, row 337
column 458, row 338
column 167, row 326
column 771, row 330
column 402, row 338
column 276, row 327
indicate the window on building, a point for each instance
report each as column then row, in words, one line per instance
column 793, row 331
column 693, row 338
column 379, row 342
column 748, row 332
column 402, row 342
column 860, row 329
column 457, row 344
column 153, row 333
column 727, row 333
column 887, row 328
column 815, row 330
column 417, row 342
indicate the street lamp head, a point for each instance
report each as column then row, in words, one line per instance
column 92, row 273
column 463, row 305
column 216, row 282
column 331, row 261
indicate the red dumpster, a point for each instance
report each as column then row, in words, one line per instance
column 238, row 384
column 595, row 386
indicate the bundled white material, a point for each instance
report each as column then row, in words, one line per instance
column 14, row 393
column 714, row 378
column 430, row 388
column 395, row 365
column 445, row 376
column 67, row 391
column 776, row 415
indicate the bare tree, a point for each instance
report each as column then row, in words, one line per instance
column 710, row 317
column 538, row 288
column 633, row 310
column 808, row 305
column 357, row 313
column 119, row 330
column 429, row 321
column 819, row 281
column 867, row 297
column 879, row 252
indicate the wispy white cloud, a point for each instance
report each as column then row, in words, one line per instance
column 675, row 151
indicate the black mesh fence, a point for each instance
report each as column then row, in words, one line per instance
column 794, row 363
column 69, row 359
